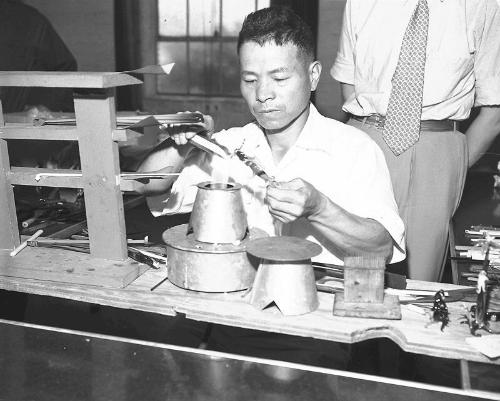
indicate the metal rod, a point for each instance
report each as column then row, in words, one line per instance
column 158, row 284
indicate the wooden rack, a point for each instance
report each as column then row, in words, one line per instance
column 97, row 137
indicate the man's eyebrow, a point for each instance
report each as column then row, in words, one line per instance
column 280, row 69
column 275, row 71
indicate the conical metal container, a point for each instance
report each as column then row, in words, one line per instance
column 290, row 285
column 285, row 276
column 218, row 216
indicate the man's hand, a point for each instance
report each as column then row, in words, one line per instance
column 182, row 133
column 288, row 201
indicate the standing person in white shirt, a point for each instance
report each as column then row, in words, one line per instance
column 462, row 62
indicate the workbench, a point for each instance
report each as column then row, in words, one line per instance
column 46, row 363
column 413, row 333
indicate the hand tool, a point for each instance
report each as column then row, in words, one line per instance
column 24, row 244
column 256, row 168
column 391, row 280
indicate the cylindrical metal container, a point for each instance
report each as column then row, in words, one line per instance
column 201, row 266
column 218, row 216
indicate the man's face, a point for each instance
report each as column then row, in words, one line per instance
column 276, row 83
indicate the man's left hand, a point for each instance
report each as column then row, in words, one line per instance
column 291, row 200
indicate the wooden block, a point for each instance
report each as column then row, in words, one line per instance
column 69, row 267
column 388, row 309
column 364, row 279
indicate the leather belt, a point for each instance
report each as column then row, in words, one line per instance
column 425, row 125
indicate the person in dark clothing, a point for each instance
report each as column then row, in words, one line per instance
column 28, row 42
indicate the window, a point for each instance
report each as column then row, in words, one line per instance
column 200, row 36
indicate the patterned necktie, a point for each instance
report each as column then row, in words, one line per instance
column 402, row 122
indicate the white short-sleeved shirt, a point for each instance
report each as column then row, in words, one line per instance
column 462, row 62
column 340, row 161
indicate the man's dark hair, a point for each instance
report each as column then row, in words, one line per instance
column 279, row 25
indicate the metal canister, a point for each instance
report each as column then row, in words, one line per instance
column 218, row 215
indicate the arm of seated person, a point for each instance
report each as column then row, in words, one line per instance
column 169, row 157
column 348, row 234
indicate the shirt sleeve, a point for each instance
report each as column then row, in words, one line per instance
column 181, row 197
column 343, row 68
column 372, row 195
column 487, row 57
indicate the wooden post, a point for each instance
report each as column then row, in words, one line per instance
column 9, row 232
column 95, row 121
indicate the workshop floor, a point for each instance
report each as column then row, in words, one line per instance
column 479, row 206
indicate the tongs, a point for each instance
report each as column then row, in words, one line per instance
column 162, row 120
column 201, row 142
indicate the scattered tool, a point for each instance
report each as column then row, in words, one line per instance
column 199, row 140
column 48, row 242
column 158, row 284
column 477, row 315
column 82, row 244
column 151, row 259
column 256, row 168
column 391, row 280
column 440, row 310
column 24, row 244
column 162, row 121
column 37, row 214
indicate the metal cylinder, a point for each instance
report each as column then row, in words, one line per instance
column 218, row 215
column 208, row 267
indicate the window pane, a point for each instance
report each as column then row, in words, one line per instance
column 204, row 17
column 172, row 17
column 177, row 80
column 233, row 14
column 204, row 63
column 230, row 67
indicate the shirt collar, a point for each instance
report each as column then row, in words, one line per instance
column 306, row 137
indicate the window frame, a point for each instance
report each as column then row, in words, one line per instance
column 153, row 38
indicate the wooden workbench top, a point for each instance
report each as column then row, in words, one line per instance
column 412, row 333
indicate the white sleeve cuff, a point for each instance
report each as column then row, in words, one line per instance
column 342, row 70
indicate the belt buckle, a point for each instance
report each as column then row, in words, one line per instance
column 379, row 121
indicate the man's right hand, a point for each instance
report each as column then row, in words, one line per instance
column 182, row 133
column 169, row 158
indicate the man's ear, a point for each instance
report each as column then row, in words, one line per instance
column 314, row 74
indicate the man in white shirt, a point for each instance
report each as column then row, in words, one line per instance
column 461, row 71
column 333, row 186
column 331, row 181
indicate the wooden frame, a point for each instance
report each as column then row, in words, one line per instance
column 96, row 134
